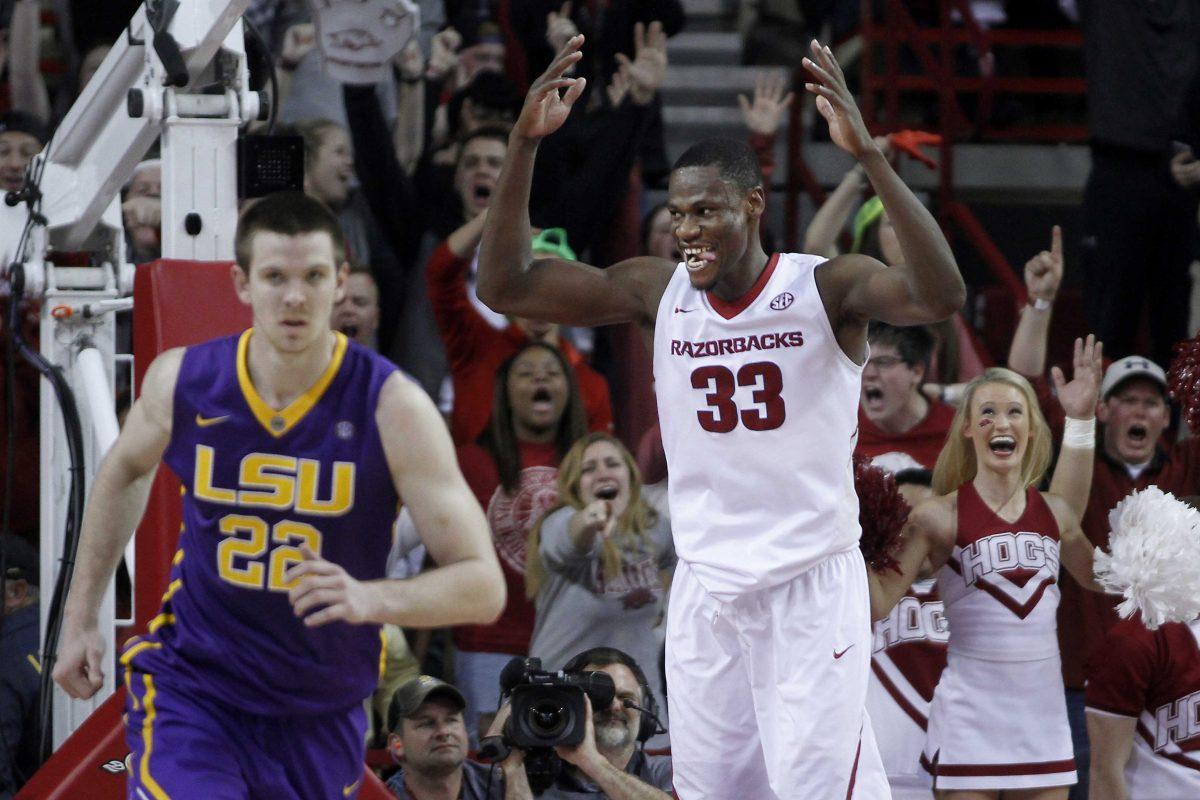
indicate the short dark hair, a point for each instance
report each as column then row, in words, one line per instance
column 914, row 343
column 735, row 161
column 290, row 214
column 497, row 132
column 607, row 656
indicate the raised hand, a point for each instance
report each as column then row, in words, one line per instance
column 836, row 104
column 618, row 86
column 443, row 53
column 649, row 65
column 298, row 41
column 1078, row 398
column 1044, row 272
column 560, row 27
column 771, row 101
column 545, row 110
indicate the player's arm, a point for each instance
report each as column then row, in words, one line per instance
column 568, row 292
column 1072, row 480
column 1111, row 738
column 115, row 505
column 927, row 287
column 928, row 539
column 466, row 587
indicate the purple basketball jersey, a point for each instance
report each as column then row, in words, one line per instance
column 258, row 484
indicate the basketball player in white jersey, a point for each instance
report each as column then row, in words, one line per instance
column 757, row 361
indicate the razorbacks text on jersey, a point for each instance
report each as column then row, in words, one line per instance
column 758, row 406
column 258, row 484
column 1153, row 676
column 1000, row 585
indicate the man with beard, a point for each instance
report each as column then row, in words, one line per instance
column 609, row 763
column 428, row 739
column 1132, row 414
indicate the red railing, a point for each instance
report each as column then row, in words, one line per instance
column 893, row 39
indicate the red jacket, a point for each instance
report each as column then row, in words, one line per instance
column 476, row 350
column 510, row 518
column 924, row 441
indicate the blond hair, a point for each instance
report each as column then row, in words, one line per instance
column 634, row 523
column 956, row 463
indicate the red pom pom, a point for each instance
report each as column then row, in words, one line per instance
column 1183, row 380
column 882, row 513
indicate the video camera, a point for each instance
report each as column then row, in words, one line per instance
column 547, row 710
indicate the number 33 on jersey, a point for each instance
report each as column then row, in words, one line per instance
column 758, row 406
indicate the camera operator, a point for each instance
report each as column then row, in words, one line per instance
column 609, row 763
column 428, row 739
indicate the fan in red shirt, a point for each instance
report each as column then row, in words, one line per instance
column 513, row 471
column 474, row 348
column 894, row 418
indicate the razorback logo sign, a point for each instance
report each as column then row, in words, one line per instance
column 1014, row 568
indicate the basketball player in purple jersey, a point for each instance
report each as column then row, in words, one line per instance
column 757, row 364
column 295, row 448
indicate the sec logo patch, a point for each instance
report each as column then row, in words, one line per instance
column 782, row 300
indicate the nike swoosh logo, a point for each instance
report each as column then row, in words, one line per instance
column 204, row 422
column 838, row 655
column 684, row 310
column 349, row 790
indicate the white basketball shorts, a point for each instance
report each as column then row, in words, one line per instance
column 767, row 689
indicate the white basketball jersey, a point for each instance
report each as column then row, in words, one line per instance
column 758, row 407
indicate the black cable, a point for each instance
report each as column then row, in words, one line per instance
column 272, row 77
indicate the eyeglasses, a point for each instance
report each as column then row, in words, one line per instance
column 885, row 362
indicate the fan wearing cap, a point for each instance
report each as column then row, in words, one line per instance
column 428, row 739
column 1133, row 413
column 475, row 347
column 22, row 136
column 20, row 666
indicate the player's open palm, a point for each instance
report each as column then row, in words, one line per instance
column 79, row 667
column 836, row 104
column 1078, row 398
column 1044, row 272
column 323, row 592
column 545, row 110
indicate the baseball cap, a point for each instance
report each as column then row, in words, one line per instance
column 412, row 695
column 23, row 122
column 20, row 559
column 1131, row 367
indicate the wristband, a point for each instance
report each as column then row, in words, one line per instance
column 1040, row 304
column 1079, row 433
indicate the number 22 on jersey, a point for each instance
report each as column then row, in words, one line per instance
column 766, row 409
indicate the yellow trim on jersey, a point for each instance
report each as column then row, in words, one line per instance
column 178, row 554
column 34, row 663
column 151, row 785
column 128, row 655
column 298, row 407
column 159, row 621
column 172, row 588
column 382, row 651
column 129, row 687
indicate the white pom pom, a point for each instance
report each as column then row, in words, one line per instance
column 1155, row 558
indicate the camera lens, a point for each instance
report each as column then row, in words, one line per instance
column 548, row 718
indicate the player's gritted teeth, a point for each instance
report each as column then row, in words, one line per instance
column 699, row 257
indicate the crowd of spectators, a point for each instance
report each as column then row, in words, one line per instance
column 409, row 163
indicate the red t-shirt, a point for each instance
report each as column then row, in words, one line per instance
column 476, row 350
column 924, row 441
column 1085, row 616
column 510, row 517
